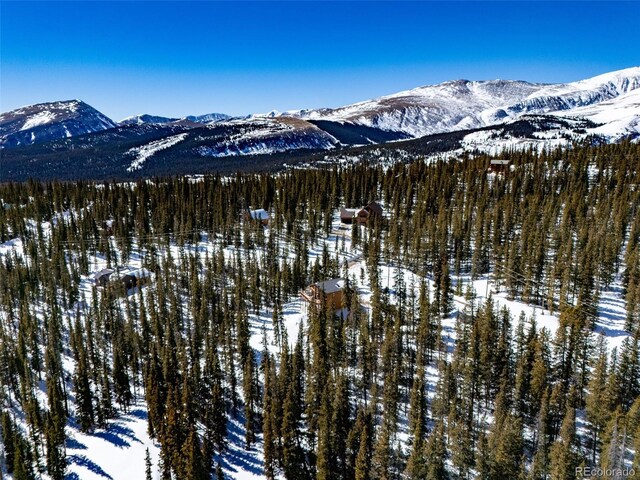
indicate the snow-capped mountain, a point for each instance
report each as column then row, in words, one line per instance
column 618, row 117
column 464, row 104
column 450, row 118
column 207, row 118
column 158, row 120
column 50, row 121
column 265, row 136
column 145, row 118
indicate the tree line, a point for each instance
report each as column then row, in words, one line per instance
column 375, row 394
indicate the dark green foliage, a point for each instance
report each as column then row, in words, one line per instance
column 501, row 401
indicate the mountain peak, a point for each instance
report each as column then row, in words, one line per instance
column 50, row 121
column 145, row 118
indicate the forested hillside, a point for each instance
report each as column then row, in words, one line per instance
column 490, row 328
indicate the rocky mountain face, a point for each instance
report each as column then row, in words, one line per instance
column 464, row 104
column 50, row 121
column 146, row 119
column 450, row 118
column 155, row 119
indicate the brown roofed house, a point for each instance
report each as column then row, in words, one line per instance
column 372, row 211
column 348, row 214
column 332, row 290
column 499, row 165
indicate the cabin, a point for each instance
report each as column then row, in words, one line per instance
column 370, row 212
column 348, row 214
column 260, row 215
column 499, row 165
column 332, row 291
column 362, row 215
column 134, row 278
column 101, row 278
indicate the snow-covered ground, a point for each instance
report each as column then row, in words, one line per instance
column 118, row 452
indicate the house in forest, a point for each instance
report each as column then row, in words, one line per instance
column 499, row 165
column 101, row 278
column 332, row 291
column 348, row 214
column 372, row 211
column 260, row 215
column 134, row 278
column 361, row 215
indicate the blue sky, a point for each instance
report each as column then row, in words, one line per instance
column 180, row 58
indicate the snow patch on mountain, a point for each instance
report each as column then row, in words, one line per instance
column 619, row 117
column 263, row 135
column 207, row 118
column 144, row 152
column 38, row 119
column 144, row 119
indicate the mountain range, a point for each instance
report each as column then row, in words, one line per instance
column 70, row 138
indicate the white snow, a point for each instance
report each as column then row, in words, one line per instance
column 39, row 118
column 144, row 152
column 118, row 452
column 262, row 135
column 463, row 104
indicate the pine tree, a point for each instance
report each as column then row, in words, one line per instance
column 19, row 466
column 507, row 449
column 219, row 472
column 597, row 402
column 8, row 440
column 148, row 465
column 363, row 459
column 249, row 400
column 563, row 456
column 84, row 396
column 325, row 468
column 56, row 417
column 435, row 454
column 614, row 447
column 195, row 466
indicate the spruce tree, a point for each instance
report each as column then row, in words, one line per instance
column 563, row 456
column 148, row 465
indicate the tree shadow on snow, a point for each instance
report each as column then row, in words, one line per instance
column 83, row 461
column 236, row 456
column 139, row 413
column 73, row 444
column 118, row 435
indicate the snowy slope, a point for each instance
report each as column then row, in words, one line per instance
column 50, row 121
column 207, row 118
column 264, row 136
column 118, row 451
column 145, row 118
column 142, row 154
column 464, row 104
column 619, row 117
